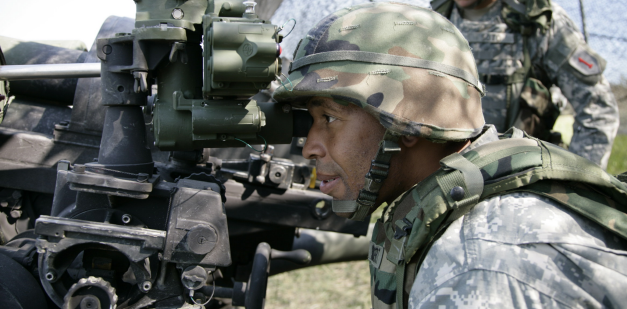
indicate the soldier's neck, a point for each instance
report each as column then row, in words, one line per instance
column 477, row 12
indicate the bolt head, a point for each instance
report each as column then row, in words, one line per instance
column 177, row 13
column 146, row 286
column 50, row 276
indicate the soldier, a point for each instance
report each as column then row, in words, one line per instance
column 470, row 218
column 524, row 47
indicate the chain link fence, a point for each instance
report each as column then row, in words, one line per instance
column 603, row 23
column 605, row 28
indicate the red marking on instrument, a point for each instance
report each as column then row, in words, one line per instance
column 590, row 65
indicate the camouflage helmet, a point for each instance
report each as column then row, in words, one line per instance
column 407, row 66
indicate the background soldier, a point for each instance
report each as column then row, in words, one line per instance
column 521, row 49
column 471, row 219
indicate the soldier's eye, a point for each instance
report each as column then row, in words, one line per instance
column 330, row 118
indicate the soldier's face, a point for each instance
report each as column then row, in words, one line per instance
column 343, row 140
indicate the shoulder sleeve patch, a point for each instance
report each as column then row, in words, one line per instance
column 568, row 51
column 586, row 62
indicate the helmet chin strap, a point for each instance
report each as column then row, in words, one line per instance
column 378, row 172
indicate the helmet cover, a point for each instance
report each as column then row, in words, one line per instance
column 407, row 66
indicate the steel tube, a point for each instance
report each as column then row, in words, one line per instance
column 49, row 71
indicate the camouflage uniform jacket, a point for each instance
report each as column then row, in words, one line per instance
column 522, row 250
column 545, row 227
column 560, row 57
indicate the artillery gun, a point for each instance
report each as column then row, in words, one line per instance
column 119, row 183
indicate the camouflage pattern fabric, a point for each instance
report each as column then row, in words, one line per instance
column 5, row 100
column 561, row 55
column 523, row 251
column 308, row 14
column 515, row 163
column 401, row 96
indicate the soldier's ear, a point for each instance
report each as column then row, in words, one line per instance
column 409, row 141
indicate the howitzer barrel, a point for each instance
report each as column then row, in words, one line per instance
column 47, row 71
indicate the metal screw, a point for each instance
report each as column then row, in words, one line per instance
column 126, row 218
column 146, row 286
column 50, row 276
column 287, row 108
column 177, row 14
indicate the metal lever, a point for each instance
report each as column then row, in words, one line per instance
column 299, row 256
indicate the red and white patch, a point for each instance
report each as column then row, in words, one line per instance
column 585, row 63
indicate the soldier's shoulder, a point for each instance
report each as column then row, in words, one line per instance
column 561, row 22
column 522, row 217
column 567, row 49
column 474, row 256
column 560, row 15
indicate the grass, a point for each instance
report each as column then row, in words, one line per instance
column 339, row 285
column 564, row 125
column 618, row 158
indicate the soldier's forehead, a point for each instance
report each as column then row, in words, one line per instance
column 328, row 103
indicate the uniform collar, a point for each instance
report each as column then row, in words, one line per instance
column 488, row 135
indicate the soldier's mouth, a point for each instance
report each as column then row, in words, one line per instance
column 327, row 185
